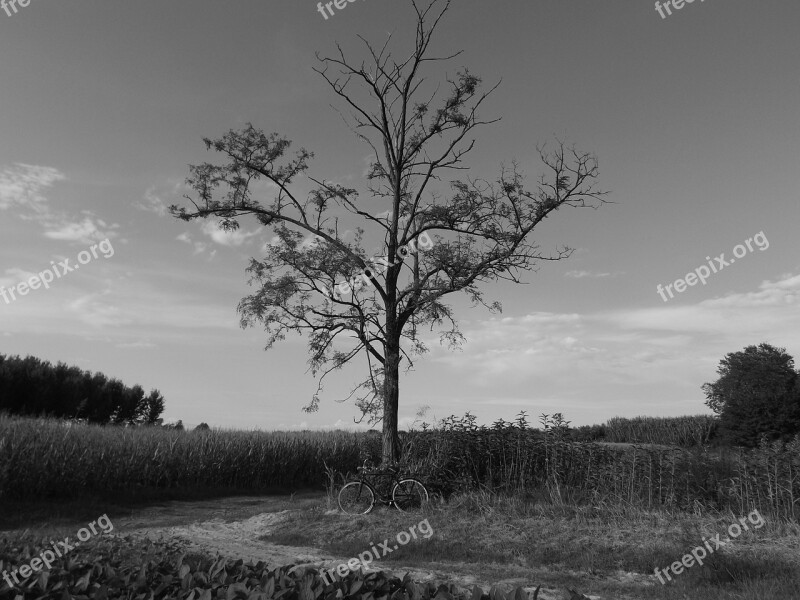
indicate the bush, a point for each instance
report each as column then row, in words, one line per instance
column 757, row 395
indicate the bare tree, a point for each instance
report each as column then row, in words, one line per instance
column 482, row 233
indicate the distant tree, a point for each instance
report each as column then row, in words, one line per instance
column 587, row 433
column 757, row 393
column 152, row 407
column 177, row 426
column 31, row 386
column 202, row 427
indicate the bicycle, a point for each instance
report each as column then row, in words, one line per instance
column 359, row 497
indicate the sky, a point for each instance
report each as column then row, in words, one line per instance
column 693, row 117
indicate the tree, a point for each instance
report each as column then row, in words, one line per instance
column 151, row 408
column 31, row 386
column 482, row 234
column 757, row 393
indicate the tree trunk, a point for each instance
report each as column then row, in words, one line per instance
column 391, row 397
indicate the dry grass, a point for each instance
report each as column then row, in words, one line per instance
column 605, row 551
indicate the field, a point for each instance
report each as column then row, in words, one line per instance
column 513, row 504
column 41, row 459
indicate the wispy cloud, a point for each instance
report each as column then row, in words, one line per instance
column 228, row 238
column 152, row 202
column 157, row 198
column 89, row 230
column 199, row 247
column 23, row 185
column 579, row 274
column 15, row 276
column 771, row 309
column 136, row 345
column 655, row 348
column 93, row 310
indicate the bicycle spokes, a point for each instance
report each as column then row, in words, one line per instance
column 356, row 498
column 409, row 494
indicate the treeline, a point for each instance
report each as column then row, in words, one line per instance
column 33, row 387
column 686, row 432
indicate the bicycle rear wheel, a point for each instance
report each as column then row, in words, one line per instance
column 356, row 498
column 409, row 494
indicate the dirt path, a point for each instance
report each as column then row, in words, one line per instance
column 232, row 527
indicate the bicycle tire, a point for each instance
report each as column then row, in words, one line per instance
column 356, row 498
column 413, row 495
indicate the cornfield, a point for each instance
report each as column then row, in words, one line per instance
column 673, row 431
column 50, row 459
column 45, row 458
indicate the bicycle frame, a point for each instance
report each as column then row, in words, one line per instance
column 391, row 477
column 365, row 487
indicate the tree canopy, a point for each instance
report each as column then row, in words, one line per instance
column 757, row 394
column 33, row 387
column 481, row 233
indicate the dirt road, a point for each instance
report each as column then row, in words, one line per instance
column 232, row 527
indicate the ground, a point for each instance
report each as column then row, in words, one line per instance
column 605, row 553
column 235, row 528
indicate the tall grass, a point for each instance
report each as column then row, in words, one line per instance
column 686, row 432
column 42, row 458
column 515, row 459
column 50, row 459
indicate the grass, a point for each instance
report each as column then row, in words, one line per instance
column 608, row 550
column 601, row 550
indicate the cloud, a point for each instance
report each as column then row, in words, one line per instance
column 23, row 184
column 86, row 231
column 772, row 308
column 93, row 311
column 311, row 241
column 157, row 198
column 199, row 247
column 137, row 345
column 650, row 353
column 233, row 238
column 16, row 276
column 576, row 274
column 152, row 202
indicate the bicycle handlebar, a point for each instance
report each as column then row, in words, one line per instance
column 367, row 469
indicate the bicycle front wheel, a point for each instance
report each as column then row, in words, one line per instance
column 409, row 494
column 356, row 498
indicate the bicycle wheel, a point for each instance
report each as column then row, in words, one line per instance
column 356, row 498
column 409, row 494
